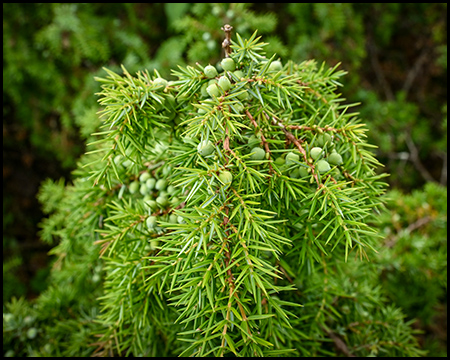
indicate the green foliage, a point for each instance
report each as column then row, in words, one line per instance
column 50, row 53
column 49, row 64
column 400, row 84
column 216, row 252
column 414, row 262
column 249, row 255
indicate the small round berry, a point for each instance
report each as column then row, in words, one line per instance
column 295, row 174
column 143, row 189
column 213, row 90
column 152, row 204
column 224, row 83
column 279, row 161
column 162, row 201
column 205, row 148
column 323, row 139
column 228, row 64
column 303, row 171
column 167, row 170
column 275, row 66
column 151, row 222
column 316, row 152
column 8, row 317
column 161, row 184
column 243, row 96
column 239, row 74
column 238, row 107
column 210, row 71
column 258, row 153
column 144, row 177
column 323, row 166
column 292, row 158
column 150, row 183
column 203, row 90
column 202, row 111
column 160, row 82
column 134, row 186
column 226, row 177
column 154, row 244
column 335, row 158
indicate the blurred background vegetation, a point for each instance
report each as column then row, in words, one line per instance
column 396, row 59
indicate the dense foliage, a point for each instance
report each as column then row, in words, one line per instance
column 349, row 306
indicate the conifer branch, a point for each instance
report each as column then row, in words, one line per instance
column 297, row 143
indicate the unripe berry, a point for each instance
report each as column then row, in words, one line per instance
column 151, row 222
column 228, row 64
column 335, row 158
column 150, row 183
column 295, row 173
column 323, row 166
column 213, row 90
column 151, row 204
column 143, row 189
column 243, row 96
column 226, row 177
column 181, row 220
column 279, row 161
column 292, row 158
column 303, row 171
column 210, row 71
column 224, row 83
column 173, row 218
column 175, row 201
column 323, row 139
column 161, row 184
column 134, row 186
column 162, row 201
column 167, row 170
column 203, row 90
column 205, row 148
column 316, row 152
column 160, row 81
column 258, row 154
column 275, row 66
column 144, row 177
column 239, row 74
column 118, row 159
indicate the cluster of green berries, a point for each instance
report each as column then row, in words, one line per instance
column 219, row 85
column 157, row 196
column 324, row 156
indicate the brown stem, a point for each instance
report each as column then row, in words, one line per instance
column 227, row 42
column 296, row 142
